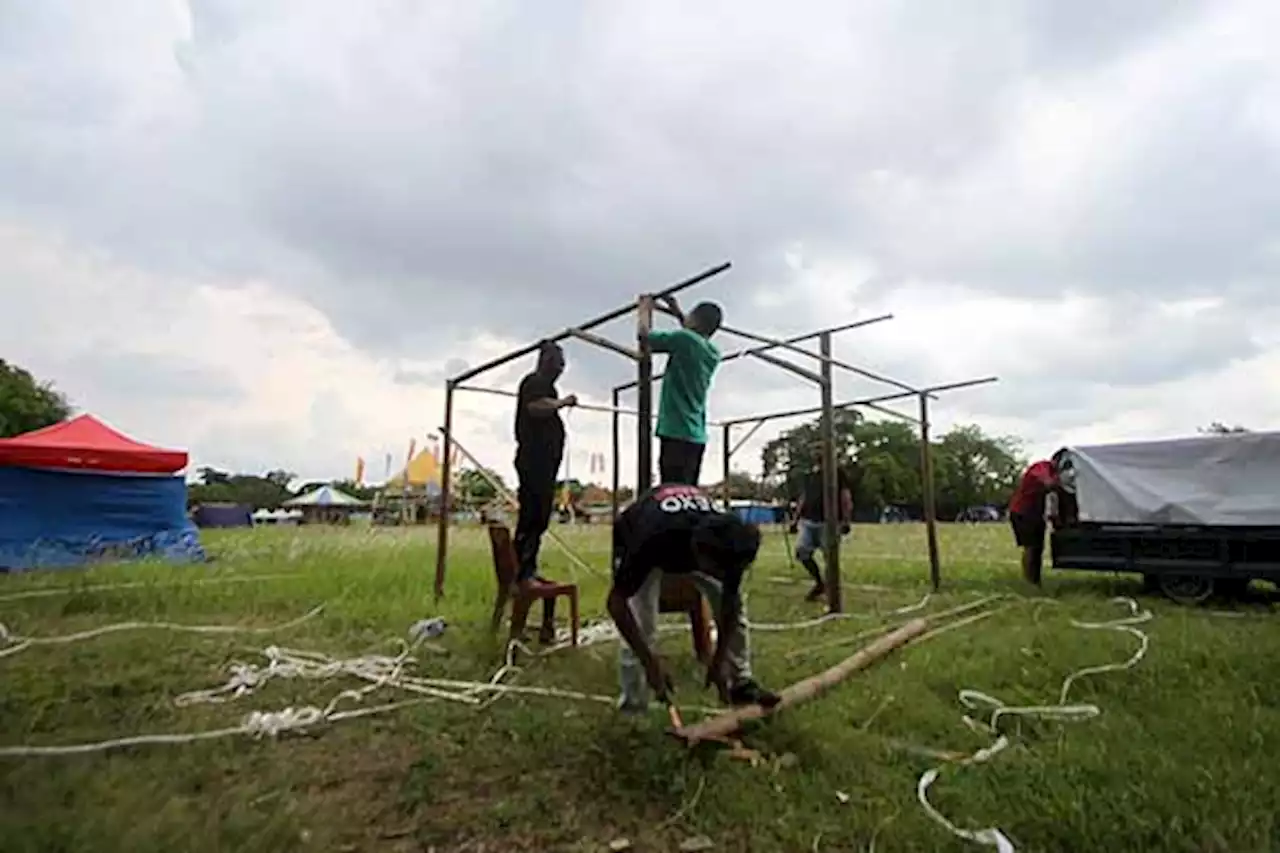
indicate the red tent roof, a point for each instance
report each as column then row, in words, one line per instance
column 87, row 443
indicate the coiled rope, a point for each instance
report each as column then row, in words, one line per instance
column 995, row 709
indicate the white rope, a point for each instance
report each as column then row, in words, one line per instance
column 804, row 623
column 107, row 587
column 1061, row 712
column 22, row 643
column 919, row 605
column 257, row 724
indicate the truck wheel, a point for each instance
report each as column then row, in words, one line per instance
column 1187, row 589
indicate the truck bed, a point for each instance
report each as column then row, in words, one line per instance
column 1214, row 551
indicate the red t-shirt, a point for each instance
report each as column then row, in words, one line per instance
column 1029, row 497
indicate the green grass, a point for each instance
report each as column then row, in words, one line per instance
column 1184, row 756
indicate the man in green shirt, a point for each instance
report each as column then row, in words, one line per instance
column 692, row 360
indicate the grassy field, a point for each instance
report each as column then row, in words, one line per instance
column 1183, row 757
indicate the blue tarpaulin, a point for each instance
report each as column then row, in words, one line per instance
column 223, row 515
column 55, row 519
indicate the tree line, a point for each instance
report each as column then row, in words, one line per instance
column 882, row 459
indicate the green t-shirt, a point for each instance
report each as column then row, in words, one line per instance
column 691, row 362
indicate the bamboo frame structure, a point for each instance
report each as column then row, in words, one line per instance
column 582, row 332
column 645, row 306
column 826, row 410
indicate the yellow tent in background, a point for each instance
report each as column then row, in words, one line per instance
column 422, row 470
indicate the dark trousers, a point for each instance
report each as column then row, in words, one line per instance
column 679, row 461
column 1029, row 533
column 537, row 494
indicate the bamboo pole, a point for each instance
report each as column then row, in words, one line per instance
column 802, row 691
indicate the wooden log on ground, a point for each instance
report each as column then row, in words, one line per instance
column 725, row 724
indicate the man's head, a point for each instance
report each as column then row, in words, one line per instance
column 725, row 546
column 705, row 318
column 550, row 360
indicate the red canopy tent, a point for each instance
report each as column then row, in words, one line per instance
column 86, row 443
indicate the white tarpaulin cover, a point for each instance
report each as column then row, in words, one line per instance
column 1218, row 479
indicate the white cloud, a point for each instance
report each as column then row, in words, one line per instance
column 267, row 230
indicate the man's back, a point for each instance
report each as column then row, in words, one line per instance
column 542, row 436
column 815, row 493
column 658, row 527
column 691, row 365
column 1030, row 495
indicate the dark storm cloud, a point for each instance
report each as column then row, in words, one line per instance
column 425, row 174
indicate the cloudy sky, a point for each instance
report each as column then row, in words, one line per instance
column 266, row 230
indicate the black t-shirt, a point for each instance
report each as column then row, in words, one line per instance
column 539, row 438
column 656, row 532
column 813, row 497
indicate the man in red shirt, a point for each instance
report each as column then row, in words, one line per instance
column 1027, row 514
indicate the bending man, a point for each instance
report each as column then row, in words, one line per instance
column 674, row 528
column 1027, row 514
column 539, row 449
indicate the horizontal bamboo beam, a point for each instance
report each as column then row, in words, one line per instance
column 590, row 407
column 788, row 366
column 604, row 343
column 807, row 336
column 834, row 362
column 862, row 401
column 587, row 326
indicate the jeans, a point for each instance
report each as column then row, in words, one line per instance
column 644, row 606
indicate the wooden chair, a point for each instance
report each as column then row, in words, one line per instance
column 680, row 595
column 506, row 565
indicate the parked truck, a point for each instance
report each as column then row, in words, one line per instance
column 1193, row 516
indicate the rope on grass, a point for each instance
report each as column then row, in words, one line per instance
column 109, row 587
column 20, row 643
column 995, row 709
column 378, row 671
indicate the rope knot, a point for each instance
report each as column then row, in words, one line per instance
column 272, row 723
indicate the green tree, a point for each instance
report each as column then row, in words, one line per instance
column 26, row 404
column 363, row 492
column 972, row 468
column 742, row 486
column 797, row 451
column 266, row 492
column 882, row 459
column 475, row 487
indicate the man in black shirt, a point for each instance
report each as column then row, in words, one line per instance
column 810, row 522
column 674, row 528
column 539, row 449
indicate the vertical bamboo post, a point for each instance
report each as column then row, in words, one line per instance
column 446, row 477
column 830, row 482
column 727, row 455
column 617, row 452
column 644, row 396
column 926, row 493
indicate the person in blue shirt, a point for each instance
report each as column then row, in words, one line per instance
column 692, row 360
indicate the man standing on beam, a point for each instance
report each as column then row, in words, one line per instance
column 539, row 451
column 692, row 360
